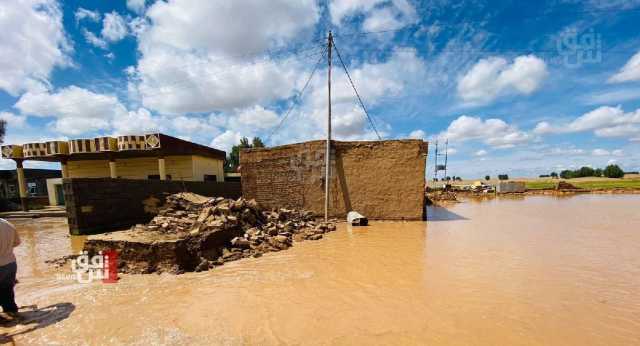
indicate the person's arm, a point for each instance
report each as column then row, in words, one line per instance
column 16, row 237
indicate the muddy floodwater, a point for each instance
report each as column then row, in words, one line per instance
column 508, row 271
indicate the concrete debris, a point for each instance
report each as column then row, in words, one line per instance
column 202, row 233
column 356, row 219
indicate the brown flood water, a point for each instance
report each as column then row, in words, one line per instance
column 528, row 271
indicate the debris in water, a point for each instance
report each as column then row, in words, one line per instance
column 356, row 219
column 195, row 233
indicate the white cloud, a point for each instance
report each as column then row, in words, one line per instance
column 481, row 152
column 93, row 39
column 379, row 15
column 493, row 77
column 494, row 132
column 617, row 152
column 179, row 24
column 613, row 96
column 604, row 121
column 136, row 6
column 226, row 140
column 417, row 134
column 114, row 27
column 375, row 82
column 83, row 13
column 135, row 122
column 76, row 110
column 33, row 43
column 189, row 67
column 13, row 121
column 629, row 72
column 600, row 152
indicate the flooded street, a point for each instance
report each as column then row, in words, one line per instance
column 535, row 270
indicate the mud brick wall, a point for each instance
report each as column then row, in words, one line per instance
column 379, row 179
column 97, row 205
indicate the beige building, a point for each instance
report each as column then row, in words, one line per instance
column 150, row 156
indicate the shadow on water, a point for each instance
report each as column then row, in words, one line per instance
column 34, row 318
column 435, row 213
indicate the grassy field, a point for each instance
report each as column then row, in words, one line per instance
column 586, row 183
column 591, row 183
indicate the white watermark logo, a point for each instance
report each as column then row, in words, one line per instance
column 578, row 49
column 86, row 269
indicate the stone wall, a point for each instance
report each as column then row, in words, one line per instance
column 97, row 205
column 379, row 179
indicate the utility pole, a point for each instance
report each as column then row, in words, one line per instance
column 446, row 155
column 327, row 174
column 435, row 168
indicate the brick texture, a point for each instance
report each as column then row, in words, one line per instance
column 379, row 179
column 97, row 205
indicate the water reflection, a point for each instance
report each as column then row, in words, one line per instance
column 513, row 271
column 438, row 213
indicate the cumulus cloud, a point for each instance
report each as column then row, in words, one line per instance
column 93, row 39
column 135, row 122
column 629, row 72
column 375, row 82
column 226, row 140
column 136, row 6
column 76, row 110
column 33, row 44
column 114, row 27
column 13, row 121
column 494, row 132
column 83, row 13
column 481, row 152
column 417, row 134
column 604, row 121
column 493, row 77
column 188, row 67
column 379, row 14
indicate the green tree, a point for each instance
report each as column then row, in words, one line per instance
column 257, row 143
column 503, row 176
column 233, row 159
column 553, row 175
column 585, row 172
column 487, row 178
column 566, row 174
column 598, row 172
column 613, row 171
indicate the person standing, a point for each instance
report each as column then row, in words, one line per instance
column 8, row 267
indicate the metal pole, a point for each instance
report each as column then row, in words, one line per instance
column 435, row 169
column 327, row 174
column 446, row 155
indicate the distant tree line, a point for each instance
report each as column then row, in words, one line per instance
column 611, row 171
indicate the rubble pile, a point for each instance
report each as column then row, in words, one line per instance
column 219, row 230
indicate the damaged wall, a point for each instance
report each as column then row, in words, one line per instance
column 380, row 179
column 102, row 204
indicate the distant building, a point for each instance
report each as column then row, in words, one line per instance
column 36, row 180
column 150, row 156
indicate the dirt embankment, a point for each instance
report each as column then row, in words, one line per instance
column 195, row 233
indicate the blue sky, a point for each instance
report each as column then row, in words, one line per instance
column 523, row 88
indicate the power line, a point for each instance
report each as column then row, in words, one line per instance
column 298, row 97
column 373, row 126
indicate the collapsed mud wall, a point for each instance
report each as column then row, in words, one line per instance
column 380, row 179
column 97, row 205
